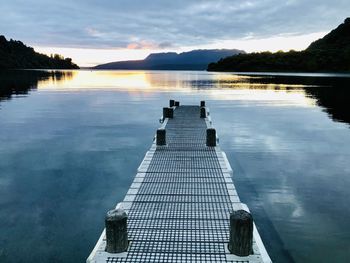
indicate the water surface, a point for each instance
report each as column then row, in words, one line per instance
column 71, row 142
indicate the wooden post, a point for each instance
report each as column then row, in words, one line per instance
column 177, row 103
column 116, row 231
column 171, row 112
column 168, row 112
column 165, row 112
column 202, row 103
column 171, row 103
column 161, row 137
column 211, row 137
column 203, row 112
column 241, row 233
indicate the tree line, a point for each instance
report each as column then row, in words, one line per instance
column 16, row 55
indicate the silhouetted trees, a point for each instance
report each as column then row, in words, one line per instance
column 329, row 54
column 15, row 55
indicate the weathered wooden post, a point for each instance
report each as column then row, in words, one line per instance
column 177, row 103
column 211, row 137
column 171, row 103
column 241, row 233
column 203, row 112
column 165, row 112
column 168, row 112
column 202, row 103
column 116, row 231
column 161, row 137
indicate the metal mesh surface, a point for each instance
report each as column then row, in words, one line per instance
column 182, row 207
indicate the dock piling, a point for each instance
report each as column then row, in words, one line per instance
column 116, row 231
column 202, row 103
column 168, row 112
column 241, row 233
column 211, row 137
column 177, row 103
column 203, row 112
column 161, row 136
column 171, row 103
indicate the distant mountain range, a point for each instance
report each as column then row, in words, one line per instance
column 192, row 60
column 328, row 54
column 16, row 55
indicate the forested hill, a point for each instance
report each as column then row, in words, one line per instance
column 191, row 60
column 16, row 55
column 328, row 54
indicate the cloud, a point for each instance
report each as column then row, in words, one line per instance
column 141, row 45
column 148, row 45
column 94, row 32
column 163, row 24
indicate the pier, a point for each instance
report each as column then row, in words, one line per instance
column 182, row 205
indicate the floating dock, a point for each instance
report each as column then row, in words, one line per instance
column 182, row 205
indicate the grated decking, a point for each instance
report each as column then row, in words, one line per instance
column 180, row 201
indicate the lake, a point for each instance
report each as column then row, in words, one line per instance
column 71, row 142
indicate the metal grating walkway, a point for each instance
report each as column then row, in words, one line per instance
column 180, row 201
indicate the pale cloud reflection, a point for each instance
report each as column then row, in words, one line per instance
column 285, row 197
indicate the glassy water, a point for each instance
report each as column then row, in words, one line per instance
column 71, row 142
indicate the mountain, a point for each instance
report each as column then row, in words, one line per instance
column 328, row 54
column 16, row 55
column 192, row 60
column 338, row 39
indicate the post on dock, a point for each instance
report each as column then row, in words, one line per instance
column 161, row 136
column 241, row 233
column 202, row 103
column 168, row 112
column 177, row 103
column 211, row 137
column 171, row 103
column 116, row 231
column 203, row 112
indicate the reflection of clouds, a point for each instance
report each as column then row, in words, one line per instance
column 263, row 97
column 285, row 196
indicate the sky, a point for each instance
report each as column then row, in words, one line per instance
column 100, row 31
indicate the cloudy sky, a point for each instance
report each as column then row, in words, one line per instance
column 93, row 32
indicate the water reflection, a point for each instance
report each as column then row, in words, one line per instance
column 335, row 103
column 301, row 90
column 20, row 82
column 332, row 93
column 70, row 151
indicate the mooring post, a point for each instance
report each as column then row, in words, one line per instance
column 171, row 103
column 161, row 137
column 202, row 103
column 211, row 137
column 203, row 112
column 168, row 112
column 177, row 103
column 116, row 231
column 241, row 233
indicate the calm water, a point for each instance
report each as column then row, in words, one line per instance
column 71, row 143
